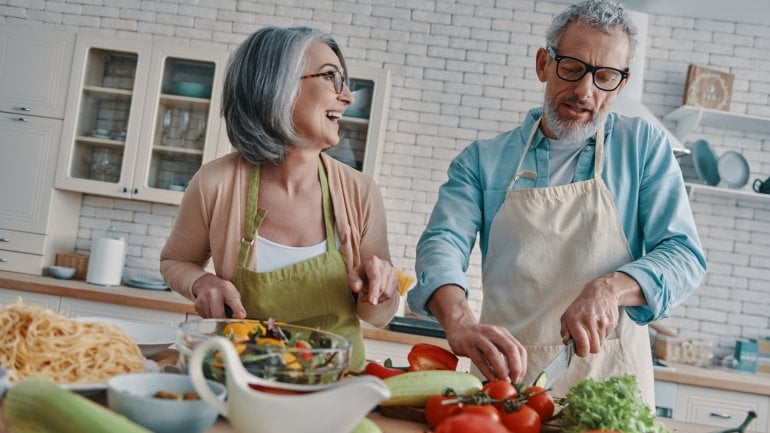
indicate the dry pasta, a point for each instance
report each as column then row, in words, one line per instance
column 38, row 341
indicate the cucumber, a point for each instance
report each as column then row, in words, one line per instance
column 413, row 388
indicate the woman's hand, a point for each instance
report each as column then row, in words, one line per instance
column 375, row 281
column 213, row 293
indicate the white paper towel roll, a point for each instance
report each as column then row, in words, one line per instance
column 105, row 264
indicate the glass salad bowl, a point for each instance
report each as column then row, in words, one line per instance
column 269, row 349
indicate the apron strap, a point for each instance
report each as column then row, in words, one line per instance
column 517, row 173
column 253, row 218
column 331, row 240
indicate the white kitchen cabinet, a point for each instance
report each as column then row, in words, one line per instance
column 362, row 127
column 72, row 307
column 142, row 117
column 35, row 220
column 10, row 296
column 34, row 66
column 720, row 408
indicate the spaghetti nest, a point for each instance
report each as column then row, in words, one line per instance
column 37, row 341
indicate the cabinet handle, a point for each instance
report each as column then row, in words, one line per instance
column 21, row 119
column 720, row 415
column 125, row 190
column 2, row 260
column 21, row 108
column 136, row 190
column 5, row 240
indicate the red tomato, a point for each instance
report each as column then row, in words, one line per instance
column 374, row 369
column 485, row 410
column 424, row 356
column 499, row 389
column 467, row 423
column 435, row 412
column 304, row 350
column 523, row 420
column 541, row 401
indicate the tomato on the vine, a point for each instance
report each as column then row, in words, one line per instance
column 486, row 410
column 541, row 401
column 468, row 422
column 522, row 420
column 499, row 390
column 435, row 411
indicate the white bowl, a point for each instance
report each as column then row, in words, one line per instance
column 132, row 395
column 61, row 272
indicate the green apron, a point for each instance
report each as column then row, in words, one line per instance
column 313, row 293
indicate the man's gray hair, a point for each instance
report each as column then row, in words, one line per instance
column 606, row 15
column 261, row 86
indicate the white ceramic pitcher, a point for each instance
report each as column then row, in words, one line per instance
column 335, row 407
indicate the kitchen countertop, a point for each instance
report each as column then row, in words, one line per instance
column 718, row 378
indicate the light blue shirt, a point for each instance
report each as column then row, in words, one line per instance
column 646, row 185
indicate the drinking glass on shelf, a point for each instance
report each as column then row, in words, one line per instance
column 199, row 132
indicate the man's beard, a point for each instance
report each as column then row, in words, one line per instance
column 571, row 131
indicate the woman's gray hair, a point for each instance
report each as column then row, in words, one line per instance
column 261, row 85
column 605, row 15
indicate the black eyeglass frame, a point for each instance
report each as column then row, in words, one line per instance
column 340, row 80
column 588, row 68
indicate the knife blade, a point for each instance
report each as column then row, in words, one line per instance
column 558, row 365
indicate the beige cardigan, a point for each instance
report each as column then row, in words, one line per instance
column 210, row 222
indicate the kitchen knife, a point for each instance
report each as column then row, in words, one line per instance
column 558, row 365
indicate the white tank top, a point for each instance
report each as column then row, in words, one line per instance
column 274, row 256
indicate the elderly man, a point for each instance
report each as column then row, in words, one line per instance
column 585, row 227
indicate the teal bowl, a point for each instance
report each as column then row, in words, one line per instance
column 189, row 88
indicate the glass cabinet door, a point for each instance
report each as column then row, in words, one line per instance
column 362, row 126
column 182, row 117
column 181, row 120
column 106, row 99
column 102, row 120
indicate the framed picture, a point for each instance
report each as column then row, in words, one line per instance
column 708, row 88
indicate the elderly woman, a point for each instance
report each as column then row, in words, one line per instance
column 293, row 234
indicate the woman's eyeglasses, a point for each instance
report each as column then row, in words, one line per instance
column 337, row 77
column 572, row 69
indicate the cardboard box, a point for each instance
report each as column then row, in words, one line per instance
column 763, row 360
column 747, row 355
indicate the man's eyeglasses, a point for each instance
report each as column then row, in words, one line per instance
column 339, row 79
column 572, row 69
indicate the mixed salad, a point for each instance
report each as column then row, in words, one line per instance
column 280, row 352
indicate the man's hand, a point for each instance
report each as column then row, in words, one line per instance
column 375, row 280
column 213, row 293
column 594, row 314
column 494, row 351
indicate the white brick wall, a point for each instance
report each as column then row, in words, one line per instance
column 464, row 70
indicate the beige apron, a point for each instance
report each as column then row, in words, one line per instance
column 545, row 245
column 313, row 292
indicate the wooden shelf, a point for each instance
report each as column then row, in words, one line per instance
column 687, row 118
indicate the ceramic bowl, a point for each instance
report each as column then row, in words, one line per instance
column 132, row 395
column 189, row 88
column 300, row 355
column 61, row 272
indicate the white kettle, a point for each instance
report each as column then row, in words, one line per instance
column 335, row 407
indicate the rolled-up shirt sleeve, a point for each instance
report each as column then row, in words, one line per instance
column 444, row 249
column 671, row 262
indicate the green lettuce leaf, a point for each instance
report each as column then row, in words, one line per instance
column 612, row 404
